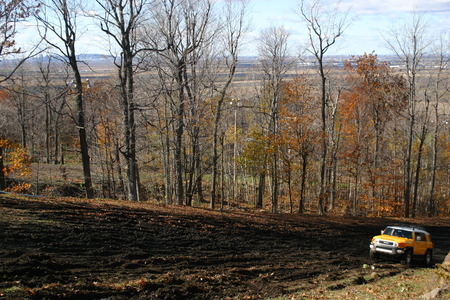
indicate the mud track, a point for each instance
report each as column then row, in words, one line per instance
column 77, row 249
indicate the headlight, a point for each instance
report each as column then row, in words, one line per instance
column 395, row 244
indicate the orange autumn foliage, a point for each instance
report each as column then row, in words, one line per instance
column 297, row 117
column 375, row 97
column 14, row 159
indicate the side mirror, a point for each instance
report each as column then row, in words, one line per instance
column 419, row 238
column 382, row 231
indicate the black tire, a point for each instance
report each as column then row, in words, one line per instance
column 372, row 255
column 428, row 258
column 408, row 258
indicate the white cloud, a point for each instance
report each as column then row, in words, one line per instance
column 388, row 6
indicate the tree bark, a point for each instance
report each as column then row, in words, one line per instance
column 431, row 204
column 261, row 189
column 179, row 137
column 82, row 130
column 303, row 183
column 419, row 156
column 2, row 167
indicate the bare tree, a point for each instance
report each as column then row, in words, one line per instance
column 274, row 60
column 185, row 30
column 157, row 116
column 19, row 96
column 59, row 19
column 325, row 26
column 409, row 44
column 52, row 94
column 235, row 25
column 44, row 94
column 440, row 81
column 120, row 20
column 12, row 12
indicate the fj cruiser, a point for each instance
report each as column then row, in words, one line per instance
column 405, row 242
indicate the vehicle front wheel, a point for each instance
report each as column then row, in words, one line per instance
column 428, row 258
column 408, row 258
column 372, row 255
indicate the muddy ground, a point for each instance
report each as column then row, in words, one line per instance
column 64, row 248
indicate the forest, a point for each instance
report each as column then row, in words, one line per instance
column 177, row 115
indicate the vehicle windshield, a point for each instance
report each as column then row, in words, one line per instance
column 398, row 232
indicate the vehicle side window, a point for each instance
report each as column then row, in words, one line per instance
column 420, row 237
column 407, row 234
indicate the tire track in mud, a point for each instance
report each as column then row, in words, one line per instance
column 68, row 248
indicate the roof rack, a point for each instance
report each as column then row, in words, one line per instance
column 412, row 226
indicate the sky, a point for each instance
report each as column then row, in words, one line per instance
column 370, row 19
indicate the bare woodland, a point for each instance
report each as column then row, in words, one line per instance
column 182, row 118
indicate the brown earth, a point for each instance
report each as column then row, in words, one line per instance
column 65, row 248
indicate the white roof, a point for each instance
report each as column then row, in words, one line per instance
column 409, row 228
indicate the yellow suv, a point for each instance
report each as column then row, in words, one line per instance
column 405, row 242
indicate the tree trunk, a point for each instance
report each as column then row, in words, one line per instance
column 215, row 159
column 275, row 185
column 222, row 173
column 199, row 179
column 165, row 146
column 179, row 137
column 431, row 205
column 130, row 129
column 82, row 129
column 2, row 167
column 419, row 156
column 190, row 172
column 408, row 177
column 334, row 140
column 303, row 183
column 261, row 189
column 289, row 184
column 22, row 116
column 323, row 161
column 119, row 167
column 47, row 131
column 375, row 171
column 57, row 146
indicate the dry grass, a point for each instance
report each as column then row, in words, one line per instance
column 411, row 284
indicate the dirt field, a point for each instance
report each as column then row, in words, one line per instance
column 79, row 249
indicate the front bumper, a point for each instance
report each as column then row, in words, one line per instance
column 387, row 249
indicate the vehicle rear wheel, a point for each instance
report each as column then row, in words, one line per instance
column 408, row 258
column 428, row 258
